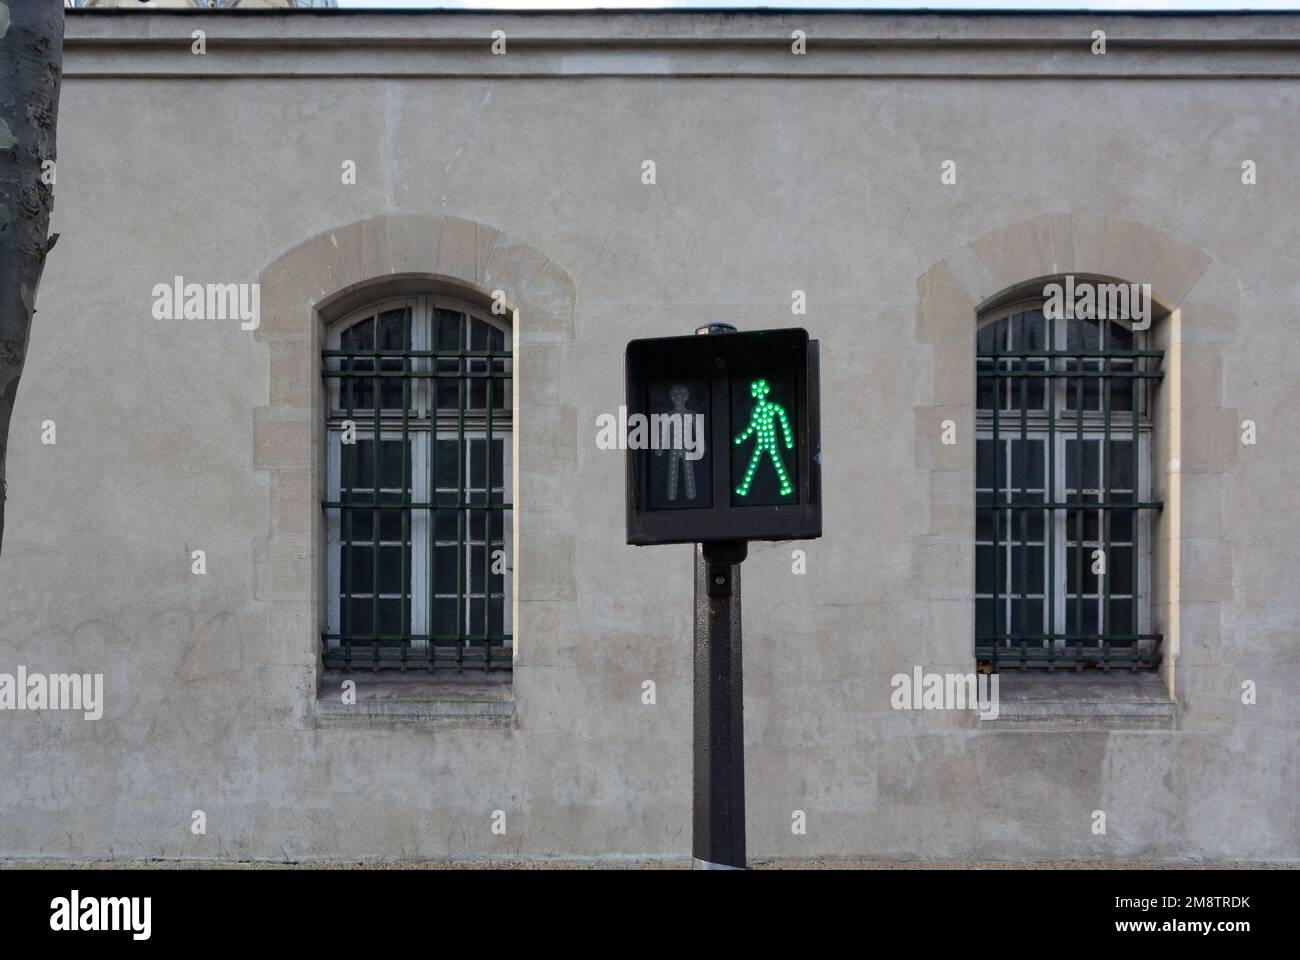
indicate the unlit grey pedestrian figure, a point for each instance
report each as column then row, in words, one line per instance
column 677, row 456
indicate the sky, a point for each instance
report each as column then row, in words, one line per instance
column 836, row 4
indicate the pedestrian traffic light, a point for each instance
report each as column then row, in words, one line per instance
column 722, row 436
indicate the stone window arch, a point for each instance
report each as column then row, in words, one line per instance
column 337, row 275
column 1193, row 435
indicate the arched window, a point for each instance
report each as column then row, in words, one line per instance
column 419, row 526
column 1063, row 490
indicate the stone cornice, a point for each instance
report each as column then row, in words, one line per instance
column 887, row 44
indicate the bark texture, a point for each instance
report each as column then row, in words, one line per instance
column 31, row 65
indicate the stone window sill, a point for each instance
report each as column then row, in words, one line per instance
column 416, row 698
column 1082, row 701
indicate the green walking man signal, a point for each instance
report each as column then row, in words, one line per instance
column 762, row 423
column 751, row 461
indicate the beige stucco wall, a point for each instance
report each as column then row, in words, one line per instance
column 774, row 173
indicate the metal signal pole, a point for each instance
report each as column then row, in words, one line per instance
column 718, row 822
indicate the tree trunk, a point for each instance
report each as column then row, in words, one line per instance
column 31, row 65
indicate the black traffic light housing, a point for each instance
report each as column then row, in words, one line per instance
column 760, row 386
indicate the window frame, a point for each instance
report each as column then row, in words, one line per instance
column 1055, row 424
column 418, row 643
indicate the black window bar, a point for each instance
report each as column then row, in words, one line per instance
column 1060, row 436
column 443, row 417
